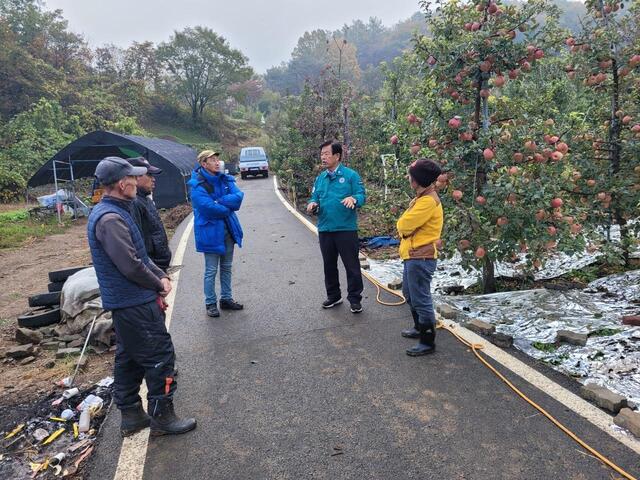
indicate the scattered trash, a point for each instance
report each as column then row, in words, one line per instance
column 47, row 442
column 40, row 434
column 72, row 392
column 65, row 382
column 53, row 436
column 90, row 401
column 85, row 420
column 15, row 431
column 105, row 382
column 56, row 460
column 57, row 419
column 67, row 414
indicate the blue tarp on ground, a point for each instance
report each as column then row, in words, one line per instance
column 377, row 242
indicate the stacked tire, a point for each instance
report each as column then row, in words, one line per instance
column 45, row 307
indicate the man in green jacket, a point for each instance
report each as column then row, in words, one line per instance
column 337, row 193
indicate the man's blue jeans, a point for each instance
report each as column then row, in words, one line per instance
column 211, row 262
column 416, row 288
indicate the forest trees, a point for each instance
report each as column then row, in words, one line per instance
column 203, row 66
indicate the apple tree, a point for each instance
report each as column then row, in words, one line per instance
column 505, row 161
column 604, row 61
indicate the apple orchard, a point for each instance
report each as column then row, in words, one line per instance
column 537, row 130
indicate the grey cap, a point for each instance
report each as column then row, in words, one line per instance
column 112, row 169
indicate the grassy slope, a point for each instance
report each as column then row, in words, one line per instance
column 17, row 228
column 183, row 135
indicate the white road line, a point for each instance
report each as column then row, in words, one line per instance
column 569, row 399
column 133, row 452
column 295, row 212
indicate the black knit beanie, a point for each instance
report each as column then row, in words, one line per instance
column 424, row 171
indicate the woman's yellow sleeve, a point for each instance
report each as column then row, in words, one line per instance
column 415, row 217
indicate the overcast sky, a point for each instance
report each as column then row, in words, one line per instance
column 264, row 30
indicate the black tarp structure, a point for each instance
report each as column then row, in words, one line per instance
column 80, row 158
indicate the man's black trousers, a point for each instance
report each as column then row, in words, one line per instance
column 143, row 350
column 344, row 244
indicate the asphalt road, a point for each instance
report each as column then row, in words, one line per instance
column 287, row 390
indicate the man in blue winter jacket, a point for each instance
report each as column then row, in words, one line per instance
column 215, row 199
column 337, row 193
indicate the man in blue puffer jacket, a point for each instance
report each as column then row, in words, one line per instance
column 215, row 199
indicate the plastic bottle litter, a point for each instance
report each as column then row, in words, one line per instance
column 65, row 382
column 67, row 414
column 90, row 401
column 72, row 392
column 85, row 420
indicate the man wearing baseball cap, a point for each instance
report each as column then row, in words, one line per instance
column 132, row 287
column 146, row 215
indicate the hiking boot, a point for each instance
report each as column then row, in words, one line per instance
column 230, row 304
column 134, row 419
column 164, row 420
column 213, row 311
column 426, row 344
column 414, row 331
column 356, row 307
column 331, row 303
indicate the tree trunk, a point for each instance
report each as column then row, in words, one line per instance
column 488, row 277
column 615, row 127
column 194, row 113
column 347, row 139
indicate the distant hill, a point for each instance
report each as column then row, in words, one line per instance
column 374, row 43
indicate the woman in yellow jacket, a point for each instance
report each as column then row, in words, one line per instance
column 419, row 229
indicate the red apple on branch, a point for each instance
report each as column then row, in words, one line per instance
column 464, row 244
column 556, row 202
column 455, row 123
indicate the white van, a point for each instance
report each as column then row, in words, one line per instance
column 253, row 161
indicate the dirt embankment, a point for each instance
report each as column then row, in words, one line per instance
column 24, row 273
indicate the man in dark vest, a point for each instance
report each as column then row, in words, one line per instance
column 132, row 287
column 146, row 216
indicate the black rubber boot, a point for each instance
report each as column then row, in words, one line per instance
column 164, row 420
column 134, row 419
column 426, row 344
column 413, row 332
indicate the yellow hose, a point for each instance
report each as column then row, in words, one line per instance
column 475, row 347
column 381, row 287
